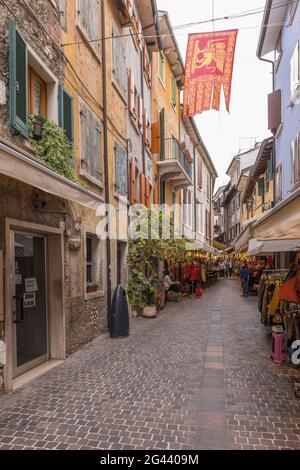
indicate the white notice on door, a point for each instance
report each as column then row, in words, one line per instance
column 29, row 300
column 31, row 284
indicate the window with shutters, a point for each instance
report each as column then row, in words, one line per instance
column 90, row 148
column 32, row 87
column 88, row 19
column 173, row 91
column 295, row 152
column 161, row 68
column 118, row 62
column 295, row 72
column 120, row 169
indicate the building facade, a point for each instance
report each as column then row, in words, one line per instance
column 233, row 210
column 89, row 115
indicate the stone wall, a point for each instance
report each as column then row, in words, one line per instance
column 85, row 319
column 38, row 22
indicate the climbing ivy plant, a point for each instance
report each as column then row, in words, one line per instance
column 144, row 253
column 53, row 147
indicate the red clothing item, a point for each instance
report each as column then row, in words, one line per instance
column 194, row 273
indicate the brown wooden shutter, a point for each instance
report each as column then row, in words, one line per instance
column 200, row 174
column 146, row 128
column 155, row 146
column 140, row 112
column 148, row 201
column 132, row 182
column 131, row 92
column 274, row 109
column 142, row 189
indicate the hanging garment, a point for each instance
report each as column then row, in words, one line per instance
column 275, row 299
column 288, row 291
column 260, row 292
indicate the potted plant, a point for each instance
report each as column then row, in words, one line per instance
column 91, row 287
column 37, row 126
column 174, row 296
column 149, row 310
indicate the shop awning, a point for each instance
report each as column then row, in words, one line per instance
column 199, row 246
column 260, row 247
column 219, row 246
column 22, row 166
column 194, row 246
column 282, row 222
column 241, row 243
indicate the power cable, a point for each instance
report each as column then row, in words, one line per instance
column 213, row 20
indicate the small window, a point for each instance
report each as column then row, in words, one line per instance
column 37, row 94
column 92, row 263
column 173, row 91
column 161, row 67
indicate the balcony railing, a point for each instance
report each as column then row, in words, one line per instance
column 176, row 153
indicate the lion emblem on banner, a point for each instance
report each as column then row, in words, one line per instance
column 212, row 57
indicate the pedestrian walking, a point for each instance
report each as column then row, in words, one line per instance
column 230, row 266
column 244, row 279
column 226, row 269
column 221, row 269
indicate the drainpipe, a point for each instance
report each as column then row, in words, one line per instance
column 105, row 158
column 195, row 192
column 142, row 95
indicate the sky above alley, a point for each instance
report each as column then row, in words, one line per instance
column 225, row 134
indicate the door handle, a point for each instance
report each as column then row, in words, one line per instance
column 19, row 297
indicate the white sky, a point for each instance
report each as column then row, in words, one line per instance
column 252, row 79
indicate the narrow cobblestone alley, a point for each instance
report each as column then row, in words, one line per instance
column 197, row 377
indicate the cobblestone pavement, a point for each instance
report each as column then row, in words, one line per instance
column 197, row 377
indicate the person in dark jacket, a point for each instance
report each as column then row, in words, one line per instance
column 244, row 279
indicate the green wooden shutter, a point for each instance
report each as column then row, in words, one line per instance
column 66, row 113
column 18, row 81
column 270, row 170
column 261, row 186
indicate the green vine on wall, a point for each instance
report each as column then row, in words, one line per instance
column 144, row 253
column 53, row 147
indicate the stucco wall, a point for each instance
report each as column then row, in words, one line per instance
column 290, row 115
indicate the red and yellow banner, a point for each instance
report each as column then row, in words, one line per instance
column 208, row 68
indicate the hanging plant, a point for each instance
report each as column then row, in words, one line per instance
column 52, row 146
column 143, row 255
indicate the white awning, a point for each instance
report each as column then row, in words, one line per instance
column 22, row 166
column 260, row 247
column 241, row 243
column 282, row 222
column 199, row 246
column 194, row 246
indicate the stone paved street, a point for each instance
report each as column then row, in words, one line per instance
column 197, row 377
